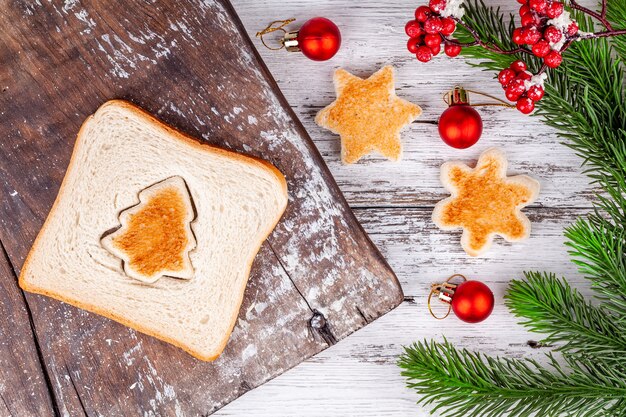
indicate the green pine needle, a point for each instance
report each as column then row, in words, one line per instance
column 616, row 12
column 549, row 305
column 597, row 247
column 586, row 102
column 469, row 384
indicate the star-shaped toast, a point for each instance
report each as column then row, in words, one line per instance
column 155, row 236
column 485, row 202
column 367, row 115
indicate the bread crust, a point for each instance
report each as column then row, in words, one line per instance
column 200, row 147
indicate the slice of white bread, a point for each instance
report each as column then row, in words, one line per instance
column 120, row 151
column 155, row 235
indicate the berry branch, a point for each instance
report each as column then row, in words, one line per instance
column 604, row 34
column 546, row 29
column 599, row 16
column 477, row 41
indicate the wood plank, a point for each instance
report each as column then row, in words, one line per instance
column 421, row 253
column 190, row 64
column 23, row 385
column 359, row 377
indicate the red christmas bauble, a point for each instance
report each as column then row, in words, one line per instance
column 460, row 126
column 472, row 301
column 319, row 39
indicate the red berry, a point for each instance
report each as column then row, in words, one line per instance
column 435, row 49
column 448, row 26
column 524, row 76
column 506, row 76
column 515, row 89
column 424, row 54
column 518, row 37
column 521, row 1
column 422, row 13
column 431, row 40
column 518, row 66
column 412, row 44
column 437, row 5
column 541, row 48
column 529, row 19
column 535, row 92
column 524, row 9
column 413, row 29
column 452, row 50
column 531, row 35
column 433, row 25
column 553, row 59
column 525, row 105
column 554, row 10
column 572, row 29
column 517, row 86
column 552, row 34
column 511, row 96
column 538, row 5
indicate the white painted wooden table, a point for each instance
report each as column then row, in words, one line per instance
column 358, row 376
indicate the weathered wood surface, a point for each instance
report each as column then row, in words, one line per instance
column 358, row 376
column 23, row 386
column 188, row 63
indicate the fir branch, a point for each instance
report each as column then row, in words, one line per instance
column 612, row 204
column 464, row 383
column 616, row 14
column 585, row 100
column 549, row 305
column 597, row 247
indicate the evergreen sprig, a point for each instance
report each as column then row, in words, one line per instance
column 586, row 102
column 598, row 251
column 550, row 305
column 458, row 382
column 616, row 13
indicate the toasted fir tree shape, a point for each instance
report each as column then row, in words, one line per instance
column 485, row 202
column 155, row 236
column 367, row 115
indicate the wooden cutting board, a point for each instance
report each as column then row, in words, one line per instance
column 317, row 279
